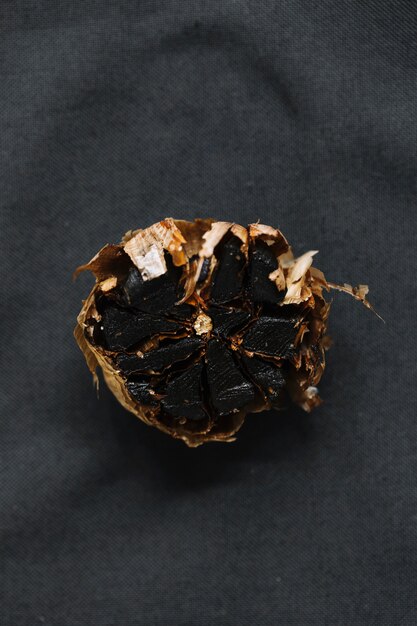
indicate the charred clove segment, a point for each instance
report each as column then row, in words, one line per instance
column 196, row 324
column 272, row 336
column 227, row 279
column 121, row 329
column 228, row 387
column 183, row 396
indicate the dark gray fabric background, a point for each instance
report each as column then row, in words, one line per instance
column 299, row 113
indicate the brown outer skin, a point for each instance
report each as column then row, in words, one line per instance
column 307, row 366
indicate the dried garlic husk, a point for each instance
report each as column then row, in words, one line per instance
column 196, row 324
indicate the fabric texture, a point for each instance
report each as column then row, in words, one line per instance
column 302, row 115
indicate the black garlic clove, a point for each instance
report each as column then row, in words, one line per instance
column 157, row 296
column 156, row 360
column 273, row 336
column 142, row 392
column 183, row 395
column 228, row 321
column 120, row 329
column 229, row 389
column 267, row 376
column 263, row 262
column 227, row 278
